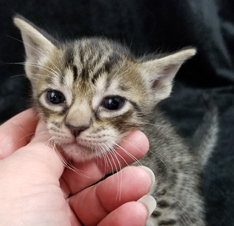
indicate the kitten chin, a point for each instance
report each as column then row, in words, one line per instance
column 78, row 152
column 87, row 145
column 84, row 151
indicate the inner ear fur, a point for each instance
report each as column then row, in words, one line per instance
column 35, row 41
column 159, row 73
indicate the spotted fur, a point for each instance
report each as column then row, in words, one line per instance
column 87, row 71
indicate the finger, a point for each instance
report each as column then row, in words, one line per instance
column 131, row 214
column 41, row 133
column 37, row 160
column 136, row 145
column 17, row 132
column 44, row 151
column 110, row 194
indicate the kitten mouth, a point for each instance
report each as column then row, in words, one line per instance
column 76, row 147
column 83, row 148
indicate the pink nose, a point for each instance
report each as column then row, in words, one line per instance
column 76, row 130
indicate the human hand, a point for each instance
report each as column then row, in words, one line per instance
column 37, row 189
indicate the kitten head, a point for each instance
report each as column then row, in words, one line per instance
column 92, row 92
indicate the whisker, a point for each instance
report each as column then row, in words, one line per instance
column 128, row 153
column 112, row 156
column 48, row 69
column 28, row 135
column 103, row 154
column 19, row 75
column 65, row 162
column 119, row 176
column 38, row 51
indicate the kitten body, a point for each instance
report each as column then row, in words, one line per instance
column 93, row 92
column 177, row 188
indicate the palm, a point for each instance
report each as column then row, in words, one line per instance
column 37, row 190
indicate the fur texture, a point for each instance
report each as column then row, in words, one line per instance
column 93, row 92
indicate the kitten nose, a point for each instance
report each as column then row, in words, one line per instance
column 76, row 130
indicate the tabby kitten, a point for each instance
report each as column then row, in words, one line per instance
column 92, row 92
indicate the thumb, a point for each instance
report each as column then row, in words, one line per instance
column 41, row 133
column 44, row 150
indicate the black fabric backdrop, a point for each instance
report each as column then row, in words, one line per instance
column 147, row 27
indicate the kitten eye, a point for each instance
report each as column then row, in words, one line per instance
column 55, row 97
column 113, row 103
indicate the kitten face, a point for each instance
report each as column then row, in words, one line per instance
column 92, row 92
column 89, row 101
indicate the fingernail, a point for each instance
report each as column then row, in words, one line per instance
column 150, row 173
column 149, row 202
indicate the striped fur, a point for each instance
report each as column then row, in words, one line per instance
column 87, row 71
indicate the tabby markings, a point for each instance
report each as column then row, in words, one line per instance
column 167, row 222
column 75, row 73
column 163, row 204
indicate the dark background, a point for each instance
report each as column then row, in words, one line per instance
column 147, row 27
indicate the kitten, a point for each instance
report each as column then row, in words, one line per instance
column 92, row 92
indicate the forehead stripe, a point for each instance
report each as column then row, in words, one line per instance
column 75, row 73
column 84, row 74
column 106, row 67
column 81, row 55
column 69, row 57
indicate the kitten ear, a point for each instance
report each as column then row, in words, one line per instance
column 159, row 73
column 35, row 42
